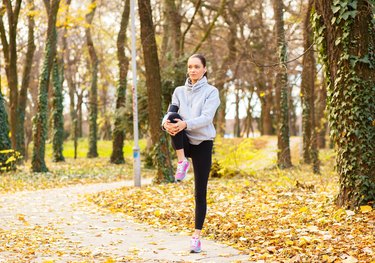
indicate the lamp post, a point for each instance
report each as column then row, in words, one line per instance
column 136, row 150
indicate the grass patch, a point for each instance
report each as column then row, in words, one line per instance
column 104, row 148
column 73, row 171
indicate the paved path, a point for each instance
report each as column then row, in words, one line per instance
column 84, row 232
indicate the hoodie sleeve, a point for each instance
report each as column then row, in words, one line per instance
column 175, row 102
column 210, row 106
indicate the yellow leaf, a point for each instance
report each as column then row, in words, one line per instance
column 109, row 260
column 303, row 209
column 6, row 151
column 21, row 217
column 262, row 94
column 10, row 159
column 366, row 208
column 157, row 213
column 289, row 242
column 249, row 215
column 48, row 261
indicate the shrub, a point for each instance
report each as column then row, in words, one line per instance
column 9, row 159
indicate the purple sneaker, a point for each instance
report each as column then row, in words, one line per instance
column 195, row 245
column 182, row 169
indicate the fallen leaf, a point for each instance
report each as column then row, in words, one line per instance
column 365, row 208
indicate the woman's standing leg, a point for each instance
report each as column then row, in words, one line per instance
column 202, row 159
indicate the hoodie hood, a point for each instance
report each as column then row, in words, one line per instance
column 197, row 86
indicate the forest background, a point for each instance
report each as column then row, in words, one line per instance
column 283, row 69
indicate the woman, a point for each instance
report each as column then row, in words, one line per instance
column 189, row 122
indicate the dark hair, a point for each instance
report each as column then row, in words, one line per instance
column 202, row 59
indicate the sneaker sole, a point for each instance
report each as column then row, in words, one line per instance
column 193, row 251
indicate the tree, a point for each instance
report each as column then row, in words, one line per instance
column 117, row 155
column 346, row 33
column 22, row 100
column 40, row 119
column 57, row 111
column 309, row 129
column 153, row 83
column 93, row 94
column 321, row 120
column 10, row 57
column 5, row 142
column 283, row 154
column 68, row 73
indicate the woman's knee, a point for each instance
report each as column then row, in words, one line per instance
column 173, row 116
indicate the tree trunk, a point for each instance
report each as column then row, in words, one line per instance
column 283, row 154
column 307, row 86
column 153, row 83
column 10, row 56
column 93, row 94
column 40, row 120
column 57, row 112
column 348, row 40
column 220, row 116
column 79, row 115
column 309, row 63
column 266, row 100
column 173, row 59
column 172, row 25
column 321, row 120
column 5, row 143
column 22, row 100
column 292, row 114
column 227, row 63
column 248, row 123
column 117, row 155
column 237, row 124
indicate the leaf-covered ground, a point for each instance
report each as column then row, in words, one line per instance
column 70, row 172
column 73, row 171
column 272, row 215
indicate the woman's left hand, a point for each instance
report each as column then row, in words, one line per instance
column 174, row 128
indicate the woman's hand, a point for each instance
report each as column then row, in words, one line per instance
column 174, row 128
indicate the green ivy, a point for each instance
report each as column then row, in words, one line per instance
column 5, row 142
column 351, row 105
column 57, row 114
column 160, row 161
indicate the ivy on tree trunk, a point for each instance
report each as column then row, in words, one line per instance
column 117, row 155
column 161, row 153
column 309, row 132
column 40, row 120
column 283, row 154
column 5, row 142
column 346, row 37
column 57, row 113
column 22, row 100
column 93, row 94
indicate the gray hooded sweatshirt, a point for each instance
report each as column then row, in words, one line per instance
column 197, row 106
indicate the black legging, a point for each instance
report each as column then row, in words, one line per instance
column 201, row 156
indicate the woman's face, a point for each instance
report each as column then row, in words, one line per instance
column 196, row 69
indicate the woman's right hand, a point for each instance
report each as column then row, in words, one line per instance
column 170, row 127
